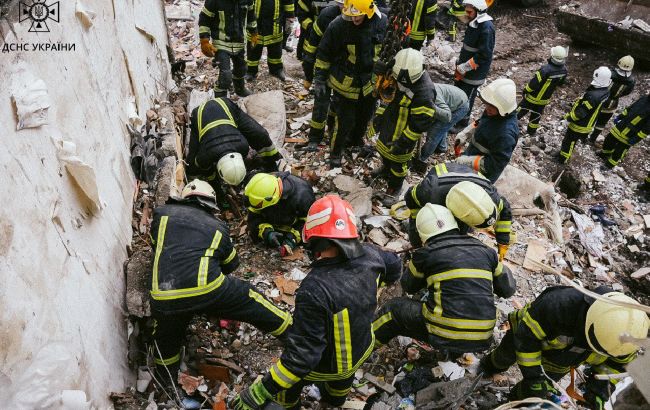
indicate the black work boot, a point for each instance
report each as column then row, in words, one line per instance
column 240, row 88
column 312, row 147
column 279, row 74
column 420, row 166
column 335, row 161
column 250, row 77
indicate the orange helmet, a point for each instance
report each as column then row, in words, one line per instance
column 330, row 217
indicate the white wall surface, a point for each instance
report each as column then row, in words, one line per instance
column 61, row 268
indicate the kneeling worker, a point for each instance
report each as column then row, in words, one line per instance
column 193, row 257
column 332, row 334
column 462, row 275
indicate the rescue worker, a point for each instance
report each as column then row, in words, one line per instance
column 496, row 135
column 630, row 127
column 462, row 275
column 308, row 12
column 277, row 205
column 224, row 21
column 271, row 24
column 321, row 112
column 344, row 62
column 539, row 90
column 584, row 112
column 423, row 22
column 401, row 123
column 331, row 335
column 475, row 57
column 220, row 137
column 563, row 329
column 622, row 84
column 192, row 261
column 451, row 105
column 472, row 199
column 449, row 17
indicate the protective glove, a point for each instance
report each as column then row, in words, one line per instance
column 532, row 388
column 503, row 249
column 290, row 241
column 596, row 393
column 467, row 66
column 252, row 398
column 255, row 36
column 381, row 68
column 306, row 84
column 320, row 89
column 273, row 239
column 207, row 48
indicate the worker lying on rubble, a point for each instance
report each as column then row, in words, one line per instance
column 277, row 208
column 584, row 112
column 344, row 62
column 462, row 274
column 563, row 329
column 475, row 57
column 471, row 198
column 224, row 21
column 220, row 137
column 192, row 261
column 273, row 18
column 332, row 331
column 400, row 123
column 622, row 84
column 630, row 127
column 539, row 90
column 496, row 135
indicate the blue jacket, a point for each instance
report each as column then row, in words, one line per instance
column 495, row 139
column 478, row 44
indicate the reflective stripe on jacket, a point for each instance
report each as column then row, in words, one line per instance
column 225, row 22
column 585, row 110
column 634, row 124
column 541, row 87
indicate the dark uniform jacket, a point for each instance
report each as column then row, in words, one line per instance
column 621, row 86
column 225, row 21
column 270, row 15
column 549, row 333
column 402, row 122
column 192, row 254
column 309, row 10
column 423, row 19
column 541, row 87
column 219, row 127
column 634, row 124
column 462, row 274
column 494, row 140
column 347, row 53
column 478, row 44
column 332, row 334
column 315, row 36
column 585, row 110
column 435, row 187
column 289, row 214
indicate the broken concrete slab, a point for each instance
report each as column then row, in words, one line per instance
column 268, row 109
column 347, row 183
column 378, row 236
column 591, row 235
column 520, row 188
column 377, row 221
column 181, row 11
column 137, row 272
column 640, row 273
column 165, row 181
column 535, row 254
column 379, row 383
column 442, row 395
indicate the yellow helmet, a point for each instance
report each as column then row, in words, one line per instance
column 607, row 322
column 354, row 8
column 263, row 190
column 432, row 220
column 202, row 191
column 626, row 63
column 471, row 204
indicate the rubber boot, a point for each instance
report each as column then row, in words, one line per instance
column 250, row 77
column 279, row 74
column 240, row 88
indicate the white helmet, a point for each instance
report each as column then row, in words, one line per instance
column 479, row 5
column 626, row 63
column 602, row 77
column 409, row 66
column 432, row 220
column 202, row 192
column 502, row 93
column 231, row 168
column 470, row 203
column 559, row 54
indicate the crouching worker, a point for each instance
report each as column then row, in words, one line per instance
column 277, row 207
column 462, row 275
column 193, row 257
column 332, row 331
column 563, row 329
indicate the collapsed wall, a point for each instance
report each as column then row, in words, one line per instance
column 73, row 74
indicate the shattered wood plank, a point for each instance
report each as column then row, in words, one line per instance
column 227, row 363
column 354, row 404
column 379, row 383
column 535, row 255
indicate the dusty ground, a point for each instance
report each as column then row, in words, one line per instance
column 524, row 38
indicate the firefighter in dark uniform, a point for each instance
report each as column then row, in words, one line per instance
column 225, row 21
column 271, row 16
column 475, row 57
column 277, row 205
column 630, row 127
column 563, row 329
column 622, row 84
column 540, row 89
column 402, row 122
column 344, row 63
column 308, row 12
column 472, row 199
column 192, row 261
column 321, row 112
column 462, row 275
column 332, row 334
column 221, row 135
column 423, row 22
column 584, row 112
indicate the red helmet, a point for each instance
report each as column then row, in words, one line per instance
column 330, row 217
